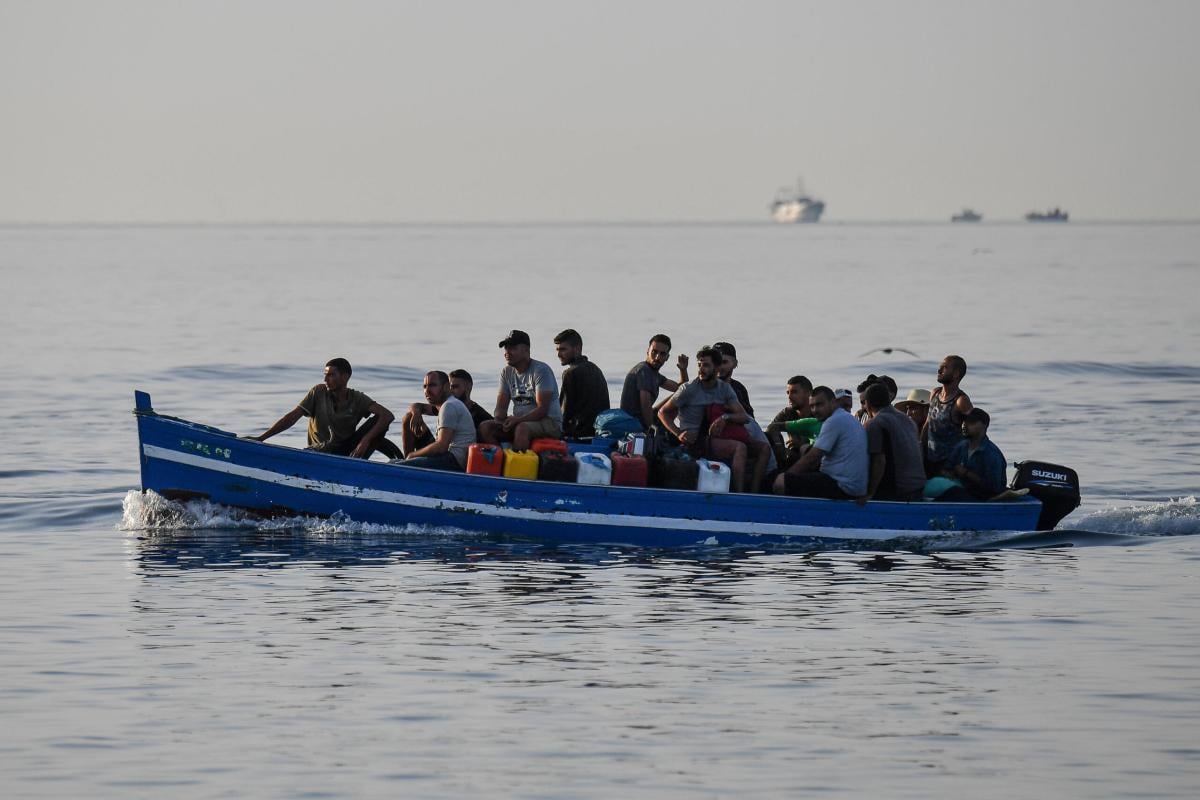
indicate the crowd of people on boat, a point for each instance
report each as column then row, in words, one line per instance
column 933, row 443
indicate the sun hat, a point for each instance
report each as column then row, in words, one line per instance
column 917, row 397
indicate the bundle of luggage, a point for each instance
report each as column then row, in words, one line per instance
column 635, row 460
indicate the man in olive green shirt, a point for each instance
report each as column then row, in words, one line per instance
column 334, row 412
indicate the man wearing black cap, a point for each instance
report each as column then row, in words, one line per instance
column 533, row 391
column 725, row 370
column 729, row 363
column 976, row 461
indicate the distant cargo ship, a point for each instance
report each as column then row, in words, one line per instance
column 1054, row 215
column 796, row 206
column 967, row 215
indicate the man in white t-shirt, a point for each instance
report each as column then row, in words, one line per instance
column 836, row 467
column 532, row 389
column 455, row 429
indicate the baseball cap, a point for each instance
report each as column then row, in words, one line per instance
column 515, row 337
column 840, row 393
column 725, row 349
column 977, row 414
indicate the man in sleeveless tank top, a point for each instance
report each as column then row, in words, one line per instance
column 948, row 404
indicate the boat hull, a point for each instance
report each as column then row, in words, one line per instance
column 798, row 211
column 181, row 460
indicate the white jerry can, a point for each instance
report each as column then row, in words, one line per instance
column 594, row 468
column 714, row 476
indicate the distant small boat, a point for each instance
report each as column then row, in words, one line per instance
column 796, row 206
column 967, row 215
column 1054, row 215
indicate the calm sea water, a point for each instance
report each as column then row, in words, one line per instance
column 155, row 650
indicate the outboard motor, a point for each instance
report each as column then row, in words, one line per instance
column 1056, row 486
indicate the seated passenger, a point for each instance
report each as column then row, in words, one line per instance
column 897, row 466
column 461, row 384
column 725, row 370
column 916, row 407
column 531, row 388
column 333, row 411
column 729, row 363
column 642, row 382
column 584, row 392
column 799, row 390
column 975, row 461
column 835, row 467
column 862, row 413
column 685, row 416
column 948, row 404
column 844, row 398
column 455, row 428
column 415, row 433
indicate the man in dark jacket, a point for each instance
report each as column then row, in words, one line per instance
column 583, row 391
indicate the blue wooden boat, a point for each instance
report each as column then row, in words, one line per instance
column 183, row 460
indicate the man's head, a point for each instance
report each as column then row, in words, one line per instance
column 916, row 406
column 658, row 350
column 870, row 379
column 460, row 384
column 844, row 398
column 436, row 386
column 568, row 345
column 822, row 402
column 799, row 389
column 877, row 398
column 337, row 374
column 951, row 370
column 516, row 348
column 975, row 424
column 729, row 360
column 707, row 360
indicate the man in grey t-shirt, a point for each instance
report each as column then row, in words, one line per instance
column 455, row 428
column 640, row 390
column 685, row 414
column 531, row 388
column 835, row 467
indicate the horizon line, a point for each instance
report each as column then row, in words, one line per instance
column 328, row 223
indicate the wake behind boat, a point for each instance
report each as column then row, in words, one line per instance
column 183, row 460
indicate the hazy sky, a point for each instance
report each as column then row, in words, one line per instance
column 683, row 110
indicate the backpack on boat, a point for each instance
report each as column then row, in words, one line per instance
column 615, row 424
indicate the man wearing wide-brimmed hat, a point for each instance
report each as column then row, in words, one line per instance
column 916, row 406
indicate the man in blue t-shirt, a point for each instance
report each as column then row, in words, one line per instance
column 976, row 461
column 836, row 467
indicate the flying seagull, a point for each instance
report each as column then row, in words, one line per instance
column 889, row 351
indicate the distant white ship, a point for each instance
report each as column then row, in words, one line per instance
column 796, row 206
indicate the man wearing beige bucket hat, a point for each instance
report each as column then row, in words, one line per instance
column 916, row 406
